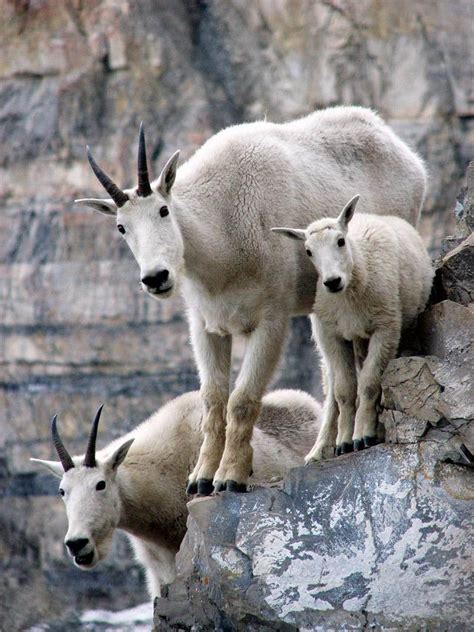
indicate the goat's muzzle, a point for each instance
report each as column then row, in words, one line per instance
column 333, row 284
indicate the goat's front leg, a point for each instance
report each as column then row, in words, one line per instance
column 158, row 562
column 261, row 356
column 340, row 394
column 213, row 357
column 383, row 347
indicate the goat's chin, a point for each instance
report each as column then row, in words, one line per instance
column 87, row 561
column 162, row 295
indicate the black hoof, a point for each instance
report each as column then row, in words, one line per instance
column 358, row 445
column 219, row 486
column 191, row 488
column 370, row 441
column 344, row 448
column 232, row 486
column 205, row 487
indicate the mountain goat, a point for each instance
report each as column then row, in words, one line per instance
column 374, row 278
column 205, row 229
column 137, row 483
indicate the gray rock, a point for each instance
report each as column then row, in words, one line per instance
column 380, row 539
column 433, row 396
column 464, row 209
column 445, row 331
column 456, row 272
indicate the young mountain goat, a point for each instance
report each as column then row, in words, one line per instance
column 206, row 228
column 137, row 483
column 374, row 279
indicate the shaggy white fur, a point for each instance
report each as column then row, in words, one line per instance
column 375, row 277
column 138, row 484
column 205, row 228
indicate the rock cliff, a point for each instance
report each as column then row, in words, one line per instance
column 379, row 539
column 74, row 328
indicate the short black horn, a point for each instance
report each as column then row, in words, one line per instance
column 89, row 458
column 63, row 454
column 144, row 188
column 117, row 195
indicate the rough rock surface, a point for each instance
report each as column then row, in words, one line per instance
column 74, row 328
column 382, row 538
column 379, row 539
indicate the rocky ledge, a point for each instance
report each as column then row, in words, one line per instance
column 380, row 539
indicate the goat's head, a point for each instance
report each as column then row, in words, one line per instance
column 144, row 216
column 90, row 492
column 327, row 245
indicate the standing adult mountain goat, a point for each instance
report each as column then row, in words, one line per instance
column 374, row 278
column 206, row 228
column 137, row 483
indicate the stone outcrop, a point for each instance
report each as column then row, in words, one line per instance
column 74, row 328
column 379, row 539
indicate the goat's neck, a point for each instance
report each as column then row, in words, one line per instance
column 144, row 518
column 132, row 514
column 200, row 255
column 359, row 270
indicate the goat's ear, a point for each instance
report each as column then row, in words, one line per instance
column 107, row 207
column 167, row 176
column 347, row 212
column 292, row 233
column 55, row 467
column 119, row 455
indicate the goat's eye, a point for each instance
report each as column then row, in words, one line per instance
column 308, row 252
column 341, row 242
column 121, row 229
column 61, row 491
column 100, row 486
column 164, row 211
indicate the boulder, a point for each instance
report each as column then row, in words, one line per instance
column 379, row 539
column 456, row 272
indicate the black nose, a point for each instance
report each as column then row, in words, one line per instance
column 75, row 546
column 333, row 284
column 155, row 281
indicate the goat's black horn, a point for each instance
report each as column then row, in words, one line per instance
column 89, row 458
column 64, row 456
column 144, row 188
column 117, row 195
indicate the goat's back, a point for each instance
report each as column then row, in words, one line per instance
column 396, row 260
column 293, row 417
column 285, row 431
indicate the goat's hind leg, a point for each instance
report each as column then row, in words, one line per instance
column 326, row 440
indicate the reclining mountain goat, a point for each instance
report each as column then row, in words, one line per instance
column 137, row 483
column 374, row 278
column 206, row 226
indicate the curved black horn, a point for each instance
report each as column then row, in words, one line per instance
column 144, row 188
column 117, row 195
column 89, row 458
column 63, row 454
